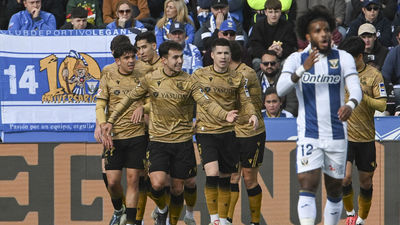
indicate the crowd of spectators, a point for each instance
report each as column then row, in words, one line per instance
column 265, row 29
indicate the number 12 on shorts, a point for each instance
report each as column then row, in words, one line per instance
column 307, row 149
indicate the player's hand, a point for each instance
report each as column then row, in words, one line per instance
column 231, row 116
column 254, row 121
column 35, row 13
column 106, row 139
column 219, row 19
column 137, row 115
column 344, row 112
column 311, row 59
column 97, row 133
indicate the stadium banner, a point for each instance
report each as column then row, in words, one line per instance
column 49, row 79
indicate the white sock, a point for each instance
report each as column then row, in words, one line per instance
column 306, row 208
column 333, row 210
column 214, row 217
column 189, row 214
column 164, row 210
column 222, row 221
column 167, row 221
column 360, row 221
column 352, row 213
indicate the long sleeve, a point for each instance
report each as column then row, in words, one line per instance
column 204, row 101
column 137, row 93
column 100, row 111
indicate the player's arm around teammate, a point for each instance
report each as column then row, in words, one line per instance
column 126, row 146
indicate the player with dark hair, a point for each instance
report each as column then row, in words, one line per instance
column 216, row 139
column 129, row 140
column 319, row 74
column 172, row 97
column 361, row 131
column 147, row 49
column 250, row 141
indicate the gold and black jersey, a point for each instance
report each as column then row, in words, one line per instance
column 242, row 126
column 229, row 90
column 172, row 100
column 113, row 87
column 154, row 66
column 360, row 126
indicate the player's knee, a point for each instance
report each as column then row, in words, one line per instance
column 366, row 183
column 346, row 180
column 157, row 185
column 177, row 190
column 191, row 182
column 235, row 178
column 250, row 182
column 334, row 190
column 113, row 185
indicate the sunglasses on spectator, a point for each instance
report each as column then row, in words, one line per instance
column 271, row 101
column 272, row 63
column 124, row 11
column 369, row 8
column 229, row 33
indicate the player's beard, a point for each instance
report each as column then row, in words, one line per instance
column 322, row 51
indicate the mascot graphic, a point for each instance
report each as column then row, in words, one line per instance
column 84, row 82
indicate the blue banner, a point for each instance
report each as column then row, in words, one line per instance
column 49, row 79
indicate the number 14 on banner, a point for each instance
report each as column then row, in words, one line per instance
column 27, row 79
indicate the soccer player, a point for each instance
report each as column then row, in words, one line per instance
column 129, row 140
column 319, row 74
column 361, row 131
column 216, row 139
column 147, row 49
column 172, row 95
column 250, row 141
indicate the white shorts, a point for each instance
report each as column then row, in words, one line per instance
column 329, row 155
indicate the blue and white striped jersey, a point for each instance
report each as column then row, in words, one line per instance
column 320, row 93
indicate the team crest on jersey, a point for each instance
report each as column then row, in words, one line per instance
column 304, row 161
column 116, row 92
column 75, row 79
column 155, row 94
column 158, row 83
column 230, row 82
column 179, row 85
column 334, row 63
column 207, row 89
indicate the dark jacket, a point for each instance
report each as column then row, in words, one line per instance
column 289, row 101
column 69, row 26
column 264, row 34
column 377, row 57
column 382, row 25
column 391, row 66
column 209, row 32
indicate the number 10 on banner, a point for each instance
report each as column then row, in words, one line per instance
column 27, row 79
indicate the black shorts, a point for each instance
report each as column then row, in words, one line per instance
column 251, row 150
column 364, row 154
column 127, row 153
column 221, row 148
column 177, row 159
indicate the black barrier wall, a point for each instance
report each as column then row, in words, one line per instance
column 56, row 183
